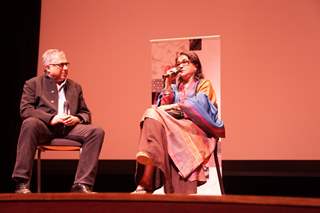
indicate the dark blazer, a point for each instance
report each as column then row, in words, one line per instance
column 40, row 99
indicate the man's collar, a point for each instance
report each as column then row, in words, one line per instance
column 61, row 85
column 52, row 79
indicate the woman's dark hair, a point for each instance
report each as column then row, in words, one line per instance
column 194, row 59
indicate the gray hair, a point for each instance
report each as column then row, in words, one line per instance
column 50, row 55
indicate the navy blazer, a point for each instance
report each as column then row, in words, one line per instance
column 40, row 99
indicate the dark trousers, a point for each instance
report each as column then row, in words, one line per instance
column 35, row 132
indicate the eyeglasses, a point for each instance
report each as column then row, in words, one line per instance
column 61, row 65
column 183, row 62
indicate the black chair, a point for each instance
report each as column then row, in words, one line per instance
column 217, row 164
column 215, row 180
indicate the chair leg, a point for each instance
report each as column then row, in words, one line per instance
column 216, row 160
column 38, row 170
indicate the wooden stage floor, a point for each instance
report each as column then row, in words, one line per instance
column 125, row 202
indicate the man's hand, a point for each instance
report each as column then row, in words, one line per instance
column 68, row 120
column 71, row 120
column 58, row 119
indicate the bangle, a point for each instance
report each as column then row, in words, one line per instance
column 166, row 92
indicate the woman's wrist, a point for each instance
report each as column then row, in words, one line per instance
column 166, row 91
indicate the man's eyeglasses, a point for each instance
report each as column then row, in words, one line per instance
column 184, row 62
column 61, row 65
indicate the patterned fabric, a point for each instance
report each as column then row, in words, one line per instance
column 191, row 140
column 204, row 114
column 188, row 145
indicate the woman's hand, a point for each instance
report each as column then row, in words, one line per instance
column 170, row 77
column 169, row 107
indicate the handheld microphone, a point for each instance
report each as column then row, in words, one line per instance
column 175, row 71
column 66, row 109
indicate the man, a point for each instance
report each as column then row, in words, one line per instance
column 53, row 106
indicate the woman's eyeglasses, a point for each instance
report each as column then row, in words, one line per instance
column 184, row 62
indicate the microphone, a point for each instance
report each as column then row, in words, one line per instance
column 66, row 109
column 175, row 71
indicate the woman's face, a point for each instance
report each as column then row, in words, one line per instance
column 188, row 69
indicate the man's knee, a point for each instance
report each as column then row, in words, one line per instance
column 99, row 132
column 32, row 123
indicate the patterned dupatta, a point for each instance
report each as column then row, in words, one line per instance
column 198, row 108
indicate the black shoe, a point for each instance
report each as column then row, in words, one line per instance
column 81, row 188
column 22, row 188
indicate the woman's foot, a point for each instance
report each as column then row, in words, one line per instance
column 143, row 158
column 139, row 190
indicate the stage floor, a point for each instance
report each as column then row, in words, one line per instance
column 125, row 202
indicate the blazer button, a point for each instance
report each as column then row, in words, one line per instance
column 52, row 101
column 52, row 91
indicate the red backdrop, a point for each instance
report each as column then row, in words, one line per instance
column 270, row 67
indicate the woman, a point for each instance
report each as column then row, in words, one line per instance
column 178, row 136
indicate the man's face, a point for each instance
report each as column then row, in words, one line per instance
column 58, row 67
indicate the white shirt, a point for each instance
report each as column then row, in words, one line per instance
column 63, row 107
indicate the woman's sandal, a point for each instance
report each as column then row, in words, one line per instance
column 140, row 190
